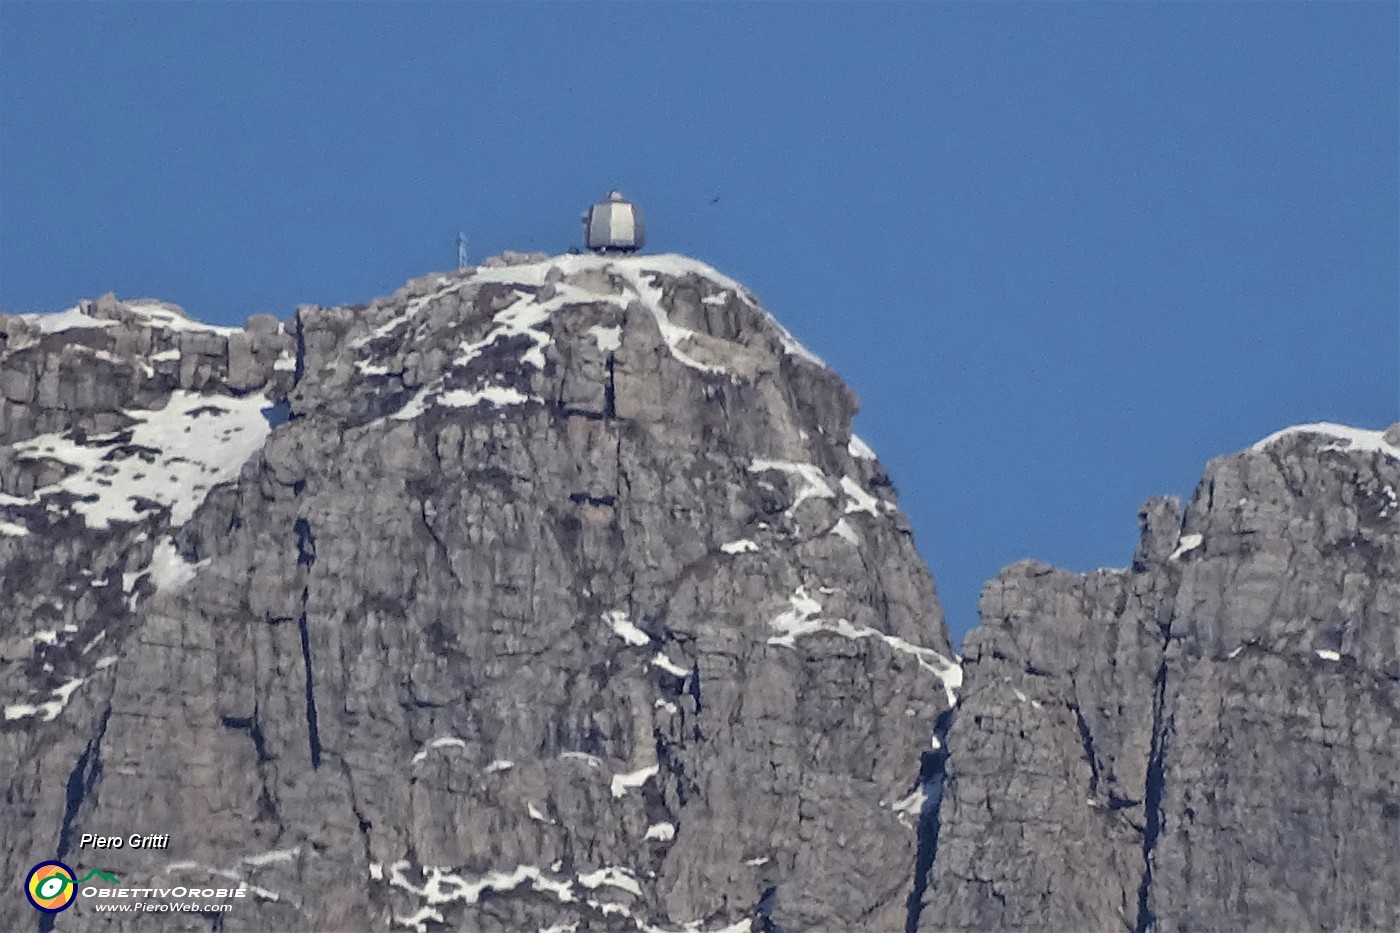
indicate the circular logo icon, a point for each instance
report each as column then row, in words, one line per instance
column 50, row 887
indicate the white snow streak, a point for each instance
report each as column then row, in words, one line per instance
column 802, row 619
column 669, row 666
column 442, row 887
column 255, row 890
column 813, row 480
column 632, row 271
column 518, row 320
column 161, row 315
column 622, row 783
column 460, row 398
column 859, row 499
column 446, row 741
column 676, row 265
column 411, row 310
column 269, row 858
column 673, row 334
column 619, row 878
column 49, row 710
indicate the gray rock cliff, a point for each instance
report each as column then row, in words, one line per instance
column 1206, row 740
column 556, row 595
column 550, row 595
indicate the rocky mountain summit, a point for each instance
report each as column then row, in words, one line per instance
column 1206, row 740
column 557, row 595
column 554, row 594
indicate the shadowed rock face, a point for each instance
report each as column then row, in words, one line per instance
column 554, row 594
column 1205, row 741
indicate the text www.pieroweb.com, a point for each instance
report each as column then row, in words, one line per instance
column 161, row 907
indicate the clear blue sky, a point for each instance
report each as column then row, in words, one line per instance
column 1065, row 253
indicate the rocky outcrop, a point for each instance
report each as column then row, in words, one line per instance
column 550, row 595
column 1203, row 741
column 556, row 595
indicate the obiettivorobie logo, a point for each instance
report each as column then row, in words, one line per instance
column 52, row 886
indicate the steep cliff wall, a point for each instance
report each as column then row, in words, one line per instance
column 1203, row 741
column 554, row 594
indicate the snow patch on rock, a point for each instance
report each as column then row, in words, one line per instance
column 813, row 482
column 859, row 449
column 622, row 783
column 612, row 877
column 171, row 457
column 667, row 665
column 446, row 741
column 72, row 319
column 858, row 500
column 802, row 619
column 169, row 571
column 1186, row 545
column 1339, row 437
column 842, row 529
column 607, row 338
column 623, row 628
column 49, row 710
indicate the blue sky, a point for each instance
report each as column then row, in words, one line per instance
column 1065, row 253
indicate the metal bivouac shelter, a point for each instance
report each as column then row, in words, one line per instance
column 613, row 226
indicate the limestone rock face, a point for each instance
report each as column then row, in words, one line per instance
column 1206, row 740
column 556, row 595
column 550, row 595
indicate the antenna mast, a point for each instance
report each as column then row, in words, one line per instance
column 461, row 252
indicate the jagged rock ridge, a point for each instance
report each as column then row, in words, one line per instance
column 1203, row 741
column 557, row 595
column 549, row 595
